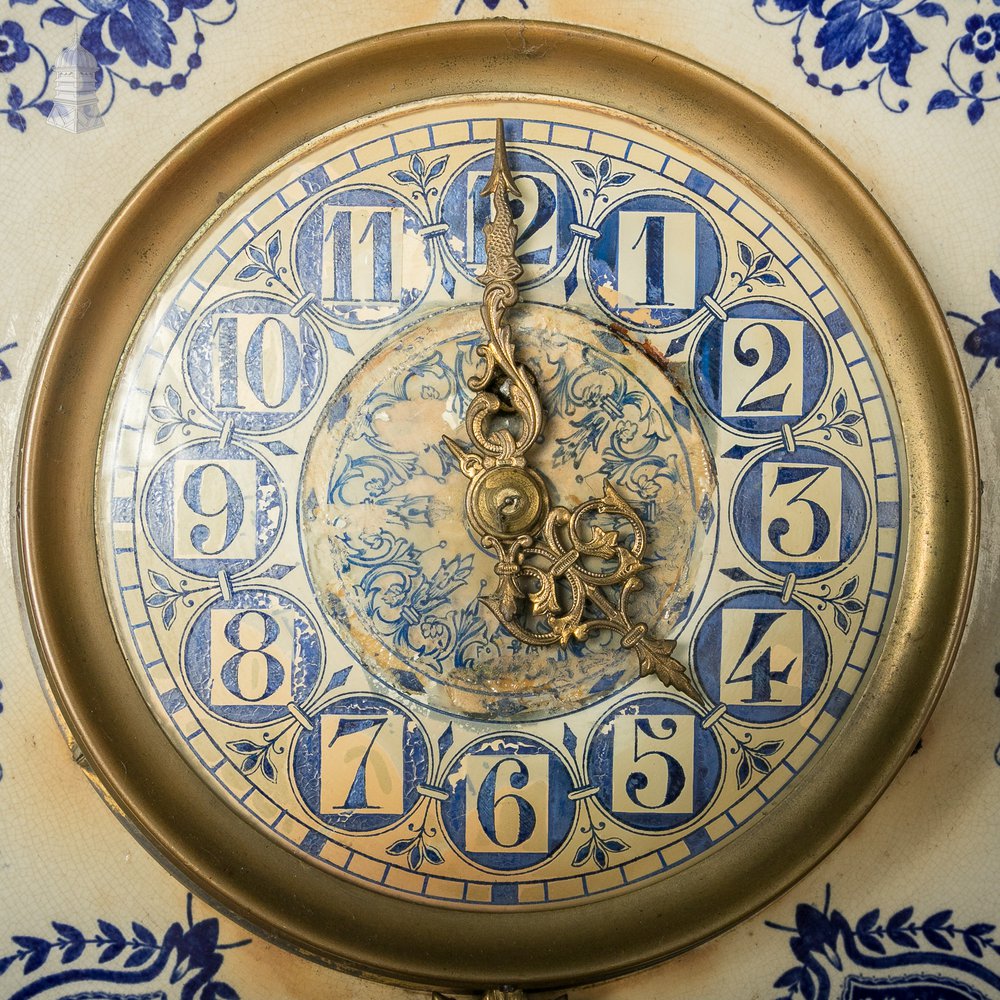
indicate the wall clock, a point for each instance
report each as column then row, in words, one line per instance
column 498, row 504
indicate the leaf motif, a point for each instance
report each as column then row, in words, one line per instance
column 585, row 170
column 853, row 606
column 789, row 978
column 868, row 922
column 770, row 748
column 7, row 962
column 600, row 856
column 38, row 951
column 15, row 97
column 849, row 436
column 851, row 418
column 569, row 738
column 972, row 945
column 415, row 857
column 937, row 920
column 975, row 111
column 267, row 768
column 617, row 180
column 746, row 254
column 16, row 121
column 445, row 740
column 937, row 939
column 274, row 248
column 839, row 403
column 603, row 169
column 110, row 931
column 872, row 943
column 169, row 614
column 615, row 845
column 848, row 588
column 976, row 83
column 161, row 583
column 928, row 9
column 138, row 957
column 173, row 398
column 417, row 164
column 278, row 571
column 770, row 278
column 249, row 763
column 433, row 855
column 903, row 939
column 402, row 177
column 840, row 620
column 582, row 854
column 112, row 951
column 249, row 272
column 164, row 432
column 995, row 285
column 897, row 920
column 73, row 952
column 256, row 255
column 436, row 168
column 159, row 600
column 243, row 746
column 762, row 263
column 399, row 847
column 57, row 15
column 943, row 99
column 743, row 771
column 981, row 930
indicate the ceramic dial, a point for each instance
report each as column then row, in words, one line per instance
column 283, row 528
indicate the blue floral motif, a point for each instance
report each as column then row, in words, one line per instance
column 871, row 44
column 900, row 957
column 182, row 965
column 13, row 49
column 983, row 341
column 151, row 45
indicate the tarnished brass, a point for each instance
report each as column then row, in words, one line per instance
column 239, row 865
column 546, row 556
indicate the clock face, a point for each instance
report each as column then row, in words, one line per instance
column 283, row 532
column 449, row 528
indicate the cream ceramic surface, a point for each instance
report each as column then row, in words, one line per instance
column 68, row 861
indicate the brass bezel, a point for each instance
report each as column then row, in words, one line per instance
column 174, row 810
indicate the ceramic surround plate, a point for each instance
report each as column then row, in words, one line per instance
column 156, row 783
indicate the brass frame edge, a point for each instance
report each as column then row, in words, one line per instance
column 261, row 883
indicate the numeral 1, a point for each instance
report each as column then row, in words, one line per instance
column 258, row 363
column 362, row 254
column 656, row 259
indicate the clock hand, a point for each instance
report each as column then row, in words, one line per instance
column 554, row 551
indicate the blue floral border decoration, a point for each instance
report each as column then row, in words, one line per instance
column 857, row 45
column 187, row 958
column 150, row 45
column 983, row 340
column 898, row 957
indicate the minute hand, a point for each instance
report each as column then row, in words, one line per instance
column 580, row 578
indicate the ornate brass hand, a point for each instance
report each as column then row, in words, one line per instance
column 550, row 558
